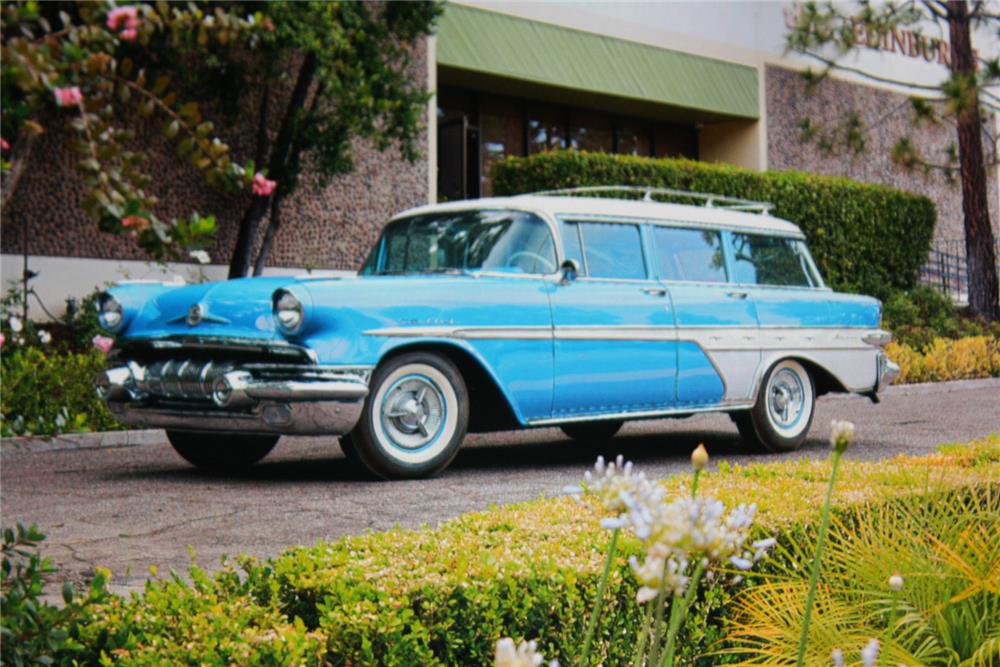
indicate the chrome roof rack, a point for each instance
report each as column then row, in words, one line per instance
column 709, row 200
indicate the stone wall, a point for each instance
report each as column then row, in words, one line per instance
column 325, row 224
column 887, row 117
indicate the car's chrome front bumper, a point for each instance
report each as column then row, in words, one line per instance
column 887, row 372
column 235, row 398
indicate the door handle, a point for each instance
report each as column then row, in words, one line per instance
column 737, row 295
column 655, row 291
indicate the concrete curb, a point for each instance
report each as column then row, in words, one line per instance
column 113, row 439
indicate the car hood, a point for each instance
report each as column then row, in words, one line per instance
column 239, row 307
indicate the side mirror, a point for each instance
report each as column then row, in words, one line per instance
column 569, row 269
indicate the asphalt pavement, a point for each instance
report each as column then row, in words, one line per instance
column 127, row 501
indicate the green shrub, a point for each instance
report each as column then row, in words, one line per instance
column 33, row 631
column 918, row 316
column 866, row 238
column 49, row 392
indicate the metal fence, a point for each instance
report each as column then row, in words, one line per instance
column 947, row 270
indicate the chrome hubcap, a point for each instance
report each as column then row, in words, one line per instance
column 786, row 398
column 413, row 412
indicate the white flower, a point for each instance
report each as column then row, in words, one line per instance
column 656, row 571
column 201, row 256
column 895, row 583
column 869, row 654
column 15, row 324
column 610, row 482
column 841, row 435
column 44, row 337
column 524, row 655
column 838, row 657
column 741, row 563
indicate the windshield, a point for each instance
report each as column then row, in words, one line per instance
column 508, row 241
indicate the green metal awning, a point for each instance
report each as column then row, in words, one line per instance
column 499, row 45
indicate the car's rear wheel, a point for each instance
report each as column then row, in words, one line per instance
column 415, row 417
column 780, row 419
column 221, row 452
column 592, row 431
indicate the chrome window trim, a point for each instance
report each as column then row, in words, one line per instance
column 539, row 213
column 569, row 219
column 672, row 222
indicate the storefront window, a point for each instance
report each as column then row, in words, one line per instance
column 501, row 127
column 675, row 141
column 591, row 132
column 546, row 129
column 634, row 138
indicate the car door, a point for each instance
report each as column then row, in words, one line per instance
column 613, row 326
column 717, row 337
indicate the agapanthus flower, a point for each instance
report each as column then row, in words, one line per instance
column 613, row 483
column 895, row 583
column 658, row 570
column 869, row 654
column 838, row 657
column 699, row 457
column 67, row 97
column 841, row 435
column 524, row 654
column 262, row 187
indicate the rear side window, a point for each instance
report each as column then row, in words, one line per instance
column 771, row 260
column 690, row 254
column 609, row 249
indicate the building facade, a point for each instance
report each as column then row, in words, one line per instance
column 704, row 80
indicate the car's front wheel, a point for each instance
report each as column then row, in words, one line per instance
column 414, row 419
column 219, row 451
column 780, row 419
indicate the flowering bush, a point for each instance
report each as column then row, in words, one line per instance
column 944, row 359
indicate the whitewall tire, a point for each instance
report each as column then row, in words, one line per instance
column 786, row 403
column 415, row 417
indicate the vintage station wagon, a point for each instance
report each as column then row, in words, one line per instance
column 573, row 309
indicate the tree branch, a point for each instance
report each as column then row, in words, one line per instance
column 834, row 65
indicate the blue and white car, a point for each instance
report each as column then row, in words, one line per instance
column 579, row 311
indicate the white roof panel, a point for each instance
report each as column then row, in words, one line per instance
column 556, row 206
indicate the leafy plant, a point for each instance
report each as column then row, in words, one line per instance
column 947, row 553
column 943, row 359
column 35, row 632
column 866, row 238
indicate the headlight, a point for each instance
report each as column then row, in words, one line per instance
column 109, row 312
column 288, row 312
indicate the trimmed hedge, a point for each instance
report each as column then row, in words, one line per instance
column 443, row 596
column 866, row 238
column 47, row 392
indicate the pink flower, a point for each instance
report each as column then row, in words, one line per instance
column 137, row 222
column 262, row 187
column 129, row 16
column 66, row 97
column 4, row 145
column 103, row 343
column 3, row 339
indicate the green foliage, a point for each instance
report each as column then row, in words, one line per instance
column 35, row 632
column 118, row 73
column 866, row 238
column 918, row 316
column 51, row 392
column 947, row 551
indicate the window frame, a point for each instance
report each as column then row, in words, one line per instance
column 812, row 274
column 692, row 228
column 564, row 220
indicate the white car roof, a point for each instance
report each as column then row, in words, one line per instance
column 683, row 214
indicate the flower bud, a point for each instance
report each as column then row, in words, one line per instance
column 699, row 458
column 841, row 435
column 895, row 583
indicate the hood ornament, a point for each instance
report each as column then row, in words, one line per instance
column 195, row 313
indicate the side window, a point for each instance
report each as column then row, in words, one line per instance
column 770, row 260
column 571, row 244
column 690, row 254
column 611, row 250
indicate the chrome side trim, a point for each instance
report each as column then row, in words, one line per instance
column 485, row 332
column 726, row 406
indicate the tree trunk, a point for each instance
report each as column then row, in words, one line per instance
column 979, row 249
column 272, row 228
column 20, row 156
column 240, row 264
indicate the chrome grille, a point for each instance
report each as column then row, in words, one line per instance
column 180, row 379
